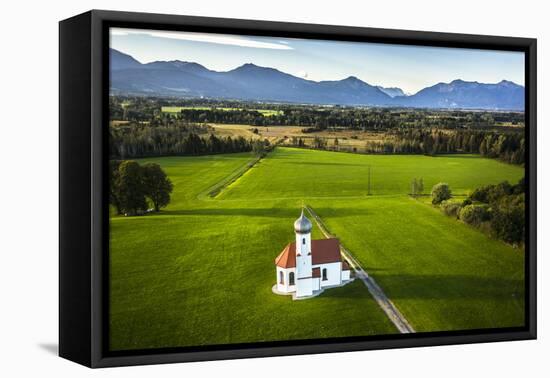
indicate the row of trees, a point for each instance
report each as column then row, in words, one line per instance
column 496, row 209
column 144, row 140
column 351, row 118
column 508, row 146
column 132, row 187
column 317, row 117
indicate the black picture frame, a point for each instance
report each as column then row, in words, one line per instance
column 84, row 226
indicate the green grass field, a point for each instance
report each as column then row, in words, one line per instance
column 178, row 109
column 201, row 271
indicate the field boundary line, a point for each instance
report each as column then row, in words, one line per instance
column 218, row 187
column 391, row 311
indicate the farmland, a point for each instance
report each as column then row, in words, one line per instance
column 178, row 109
column 173, row 273
column 200, row 272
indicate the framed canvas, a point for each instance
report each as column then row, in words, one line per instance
column 235, row 188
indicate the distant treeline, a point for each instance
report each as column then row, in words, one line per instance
column 318, row 117
column 146, row 140
column 508, row 147
column 350, row 118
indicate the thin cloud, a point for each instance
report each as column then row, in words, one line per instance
column 220, row 39
column 118, row 32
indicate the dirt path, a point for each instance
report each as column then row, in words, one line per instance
column 376, row 291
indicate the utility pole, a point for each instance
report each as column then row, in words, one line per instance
column 368, row 185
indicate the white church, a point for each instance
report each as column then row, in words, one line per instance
column 306, row 267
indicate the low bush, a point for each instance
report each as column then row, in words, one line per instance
column 440, row 193
column 451, row 209
column 475, row 214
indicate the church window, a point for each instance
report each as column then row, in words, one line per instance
column 281, row 278
column 304, row 241
column 325, row 274
column 291, row 278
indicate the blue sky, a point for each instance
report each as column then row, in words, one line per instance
column 410, row 68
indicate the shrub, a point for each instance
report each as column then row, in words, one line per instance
column 474, row 214
column 508, row 221
column 492, row 193
column 440, row 193
column 466, row 202
column 480, row 194
column 451, row 209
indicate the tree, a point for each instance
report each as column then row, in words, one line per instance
column 440, row 193
column 474, row 214
column 319, row 142
column 157, row 185
column 114, row 192
column 508, row 221
column 130, row 187
column 420, row 186
column 451, row 209
column 258, row 148
column 414, row 187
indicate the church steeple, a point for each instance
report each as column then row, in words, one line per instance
column 302, row 225
column 302, row 228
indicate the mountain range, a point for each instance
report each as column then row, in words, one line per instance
column 252, row 82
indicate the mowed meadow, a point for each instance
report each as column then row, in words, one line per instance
column 200, row 272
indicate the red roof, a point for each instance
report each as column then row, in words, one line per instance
column 323, row 251
column 287, row 258
column 345, row 265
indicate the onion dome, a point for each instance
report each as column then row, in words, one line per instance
column 302, row 225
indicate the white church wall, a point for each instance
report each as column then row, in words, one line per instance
column 333, row 274
column 304, row 287
column 345, row 275
column 285, row 287
column 316, row 284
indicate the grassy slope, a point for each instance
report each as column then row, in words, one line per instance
column 442, row 274
column 201, row 272
column 307, row 173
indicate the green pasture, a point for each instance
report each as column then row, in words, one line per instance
column 201, row 271
column 302, row 173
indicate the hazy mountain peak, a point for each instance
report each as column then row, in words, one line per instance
column 249, row 66
column 119, row 60
column 253, row 82
column 508, row 83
